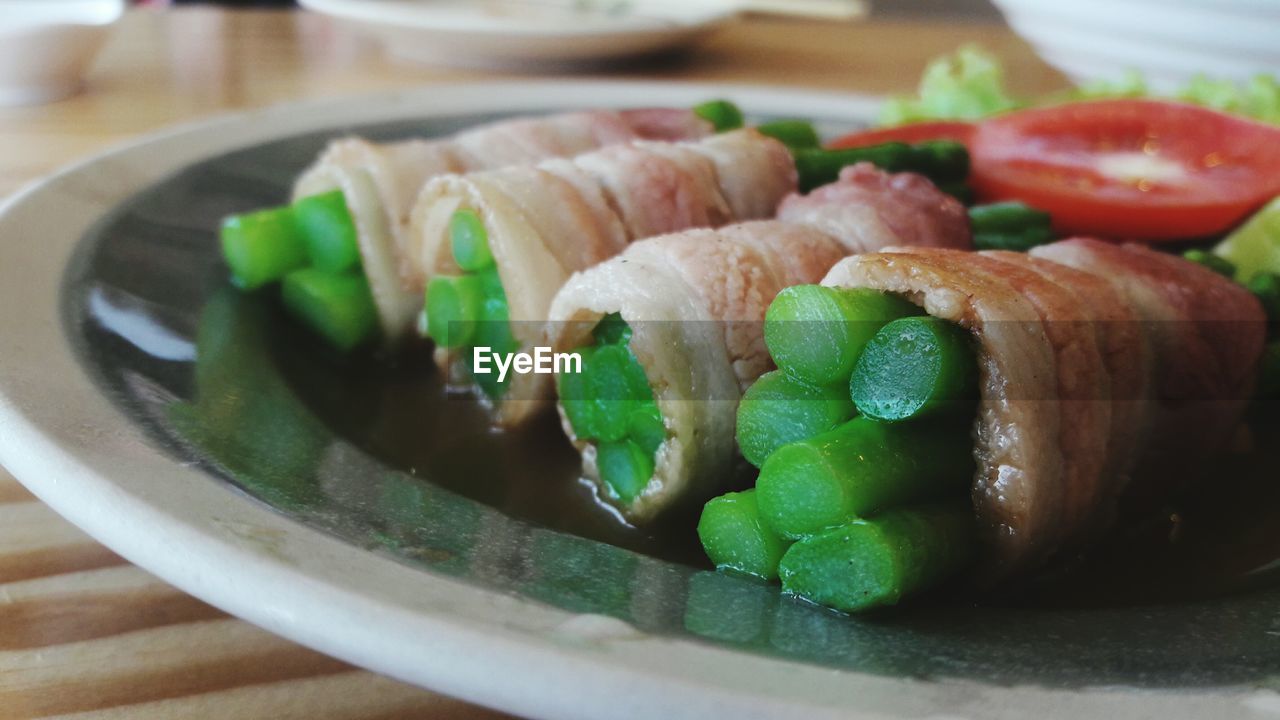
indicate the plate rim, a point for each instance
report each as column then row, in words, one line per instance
column 79, row 454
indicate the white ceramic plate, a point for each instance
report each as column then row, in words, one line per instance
column 499, row 612
column 529, row 33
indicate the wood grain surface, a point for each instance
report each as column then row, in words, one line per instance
column 84, row 634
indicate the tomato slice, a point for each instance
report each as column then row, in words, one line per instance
column 1129, row 169
column 910, row 133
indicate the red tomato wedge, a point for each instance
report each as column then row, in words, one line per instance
column 910, row 133
column 1129, row 169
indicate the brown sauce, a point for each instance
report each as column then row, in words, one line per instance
column 1219, row 537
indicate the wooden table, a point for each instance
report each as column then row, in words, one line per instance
column 84, row 633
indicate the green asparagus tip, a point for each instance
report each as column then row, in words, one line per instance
column 470, row 241
column 262, row 247
column 617, row 384
column 860, row 468
column 735, row 538
column 942, row 161
column 876, row 562
column 722, row 114
column 575, row 398
column 337, row 306
column 612, row 330
column 453, row 305
column 795, row 134
column 915, row 367
column 329, row 231
column 625, row 467
column 816, row 333
column 779, row 409
column 646, row 428
column 1011, row 226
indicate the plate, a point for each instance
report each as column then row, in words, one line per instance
column 184, row 427
column 530, row 33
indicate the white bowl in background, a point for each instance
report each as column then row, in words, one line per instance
column 530, row 34
column 46, row 46
column 1169, row 41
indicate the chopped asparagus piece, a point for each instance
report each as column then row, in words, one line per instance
column 470, row 241
column 337, row 306
column 877, row 561
column 858, row 469
column 722, row 114
column 779, row 409
column 816, row 333
column 915, row 367
column 453, row 306
column 625, row 467
column 735, row 537
column 262, row 247
column 329, row 231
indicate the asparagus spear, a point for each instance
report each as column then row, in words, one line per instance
column 816, row 333
column 778, row 409
column 795, row 134
column 329, row 231
column 915, row 367
column 337, row 306
column 860, row 468
column 736, row 538
column 1009, row 226
column 874, row 562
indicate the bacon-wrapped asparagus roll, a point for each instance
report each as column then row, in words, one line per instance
column 498, row 245
column 670, row 331
column 342, row 249
column 379, row 182
column 1083, row 360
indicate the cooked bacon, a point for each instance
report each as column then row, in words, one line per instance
column 399, row 170
column 869, row 209
column 1126, row 355
column 549, row 220
column 1090, row 354
column 1206, row 334
column 656, row 188
column 373, row 179
column 1018, row 489
column 666, row 124
column 696, row 302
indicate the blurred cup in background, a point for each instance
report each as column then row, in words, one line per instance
column 47, row 46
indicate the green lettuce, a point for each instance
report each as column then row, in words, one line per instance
column 969, row 85
column 965, row 86
column 1258, row 99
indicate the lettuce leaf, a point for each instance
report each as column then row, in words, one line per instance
column 966, row 86
column 969, row 85
column 1258, row 99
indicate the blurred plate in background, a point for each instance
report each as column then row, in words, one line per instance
column 530, row 33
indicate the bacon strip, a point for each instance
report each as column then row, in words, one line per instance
column 388, row 178
column 869, row 209
column 1090, row 356
column 696, row 302
column 550, row 220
